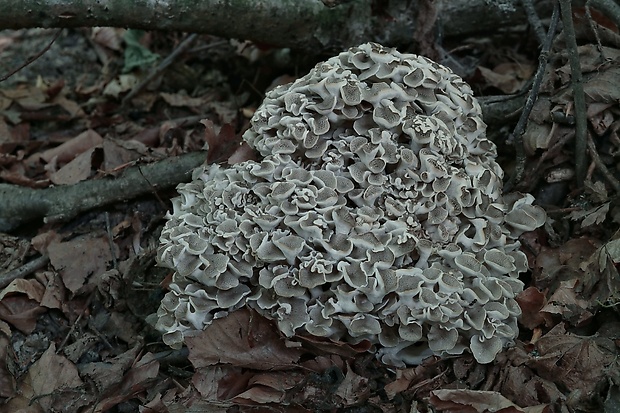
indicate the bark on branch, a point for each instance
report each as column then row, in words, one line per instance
column 19, row 205
column 304, row 24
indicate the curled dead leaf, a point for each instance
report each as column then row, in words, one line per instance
column 531, row 301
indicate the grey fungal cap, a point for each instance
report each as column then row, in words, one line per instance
column 376, row 213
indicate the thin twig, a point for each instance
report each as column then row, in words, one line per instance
column 551, row 151
column 32, row 58
column 23, row 271
column 108, row 227
column 76, row 322
column 534, row 20
column 593, row 27
column 601, row 166
column 184, row 45
column 578, row 95
column 517, row 134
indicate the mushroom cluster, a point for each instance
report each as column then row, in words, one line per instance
column 375, row 213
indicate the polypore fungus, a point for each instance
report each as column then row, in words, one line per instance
column 376, row 213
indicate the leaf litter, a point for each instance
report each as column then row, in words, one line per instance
column 75, row 336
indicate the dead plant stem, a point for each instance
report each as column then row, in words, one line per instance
column 32, row 58
column 517, row 134
column 581, row 141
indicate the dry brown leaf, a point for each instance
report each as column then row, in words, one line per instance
column 31, row 288
column 603, row 87
column 222, row 144
column 41, row 241
column 405, row 378
column 121, row 153
column 5, row 135
column 106, row 375
column 556, row 264
column 121, row 84
column 79, row 258
column 269, row 387
column 575, row 363
column 53, row 383
column 5, row 328
column 137, row 380
column 85, row 342
column 73, row 147
column 110, row 37
column 243, row 153
column 206, row 380
column 260, row 395
column 21, row 312
column 243, row 339
column 507, row 77
column 566, row 302
column 600, row 116
column 233, row 383
column 5, row 41
column 590, row 59
column 7, row 382
column 321, row 363
column 148, row 136
column 522, row 384
column 28, row 97
column 531, row 301
column 70, row 106
column 354, row 389
column 54, row 295
column 78, row 169
column 476, row 401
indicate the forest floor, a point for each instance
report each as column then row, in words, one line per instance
column 78, row 291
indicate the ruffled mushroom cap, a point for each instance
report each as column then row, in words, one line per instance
column 376, row 213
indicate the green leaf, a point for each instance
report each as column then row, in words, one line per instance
column 136, row 55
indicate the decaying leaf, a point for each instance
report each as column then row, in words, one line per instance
column 531, row 301
column 242, row 339
column 221, row 144
column 568, row 303
column 508, row 77
column 476, row 401
column 80, row 258
column 135, row 381
column 53, row 383
column 577, row 363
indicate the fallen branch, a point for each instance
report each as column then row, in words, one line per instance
column 20, row 205
column 307, row 24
